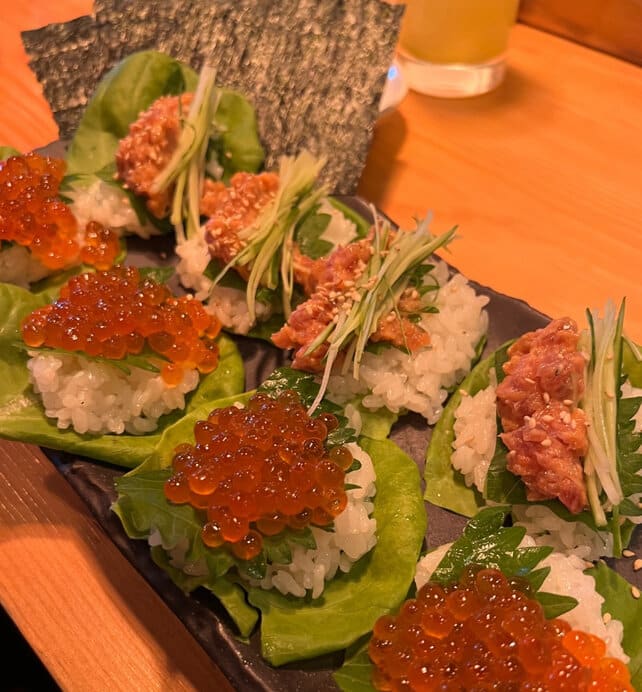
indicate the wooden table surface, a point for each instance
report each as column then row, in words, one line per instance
column 543, row 178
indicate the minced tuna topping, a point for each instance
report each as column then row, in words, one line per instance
column 232, row 208
column 544, row 430
column 332, row 284
column 148, row 148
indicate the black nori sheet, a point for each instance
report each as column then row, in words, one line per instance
column 314, row 69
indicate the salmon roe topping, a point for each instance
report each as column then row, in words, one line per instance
column 258, row 470
column 486, row 633
column 32, row 215
column 117, row 313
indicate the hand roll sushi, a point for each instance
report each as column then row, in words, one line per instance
column 386, row 323
column 494, row 611
column 551, row 424
column 265, row 496
column 116, row 351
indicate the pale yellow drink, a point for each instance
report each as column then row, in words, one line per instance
column 455, row 48
column 457, row 31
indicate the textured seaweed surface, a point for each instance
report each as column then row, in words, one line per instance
column 314, row 69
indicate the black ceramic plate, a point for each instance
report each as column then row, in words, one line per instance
column 200, row 612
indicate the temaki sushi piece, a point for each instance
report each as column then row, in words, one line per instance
column 116, row 351
column 494, row 611
column 552, row 425
column 281, row 512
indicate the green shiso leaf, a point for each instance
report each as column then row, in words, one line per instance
column 22, row 415
column 355, row 675
column 445, row 486
column 308, row 235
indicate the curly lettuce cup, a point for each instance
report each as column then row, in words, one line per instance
column 103, row 365
column 385, row 323
column 494, row 610
column 149, row 121
column 40, row 235
column 550, row 424
column 285, row 514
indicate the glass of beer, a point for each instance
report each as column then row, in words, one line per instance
column 455, row 48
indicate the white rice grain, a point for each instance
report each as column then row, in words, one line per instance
column 420, row 381
column 354, row 535
column 98, row 398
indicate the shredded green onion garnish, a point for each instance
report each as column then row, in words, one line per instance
column 187, row 165
column 377, row 292
column 270, row 238
column 600, row 406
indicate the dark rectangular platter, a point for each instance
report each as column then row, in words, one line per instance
column 200, row 612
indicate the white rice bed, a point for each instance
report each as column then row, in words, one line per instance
column 420, row 381
column 566, row 578
column 97, row 398
column 354, row 535
column 475, row 440
column 109, row 206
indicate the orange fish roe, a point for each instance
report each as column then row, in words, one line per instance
column 32, row 215
column 486, row 633
column 259, row 470
column 118, row 312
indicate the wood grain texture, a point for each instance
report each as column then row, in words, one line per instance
column 612, row 26
column 543, row 178
column 92, row 619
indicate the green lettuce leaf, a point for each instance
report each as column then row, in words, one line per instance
column 445, row 486
column 295, row 629
column 22, row 415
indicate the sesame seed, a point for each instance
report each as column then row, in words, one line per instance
column 609, row 395
column 547, row 418
column 606, row 618
column 463, row 392
column 546, row 443
column 637, row 565
column 635, row 592
column 568, row 402
column 532, row 423
column 547, row 397
column 529, row 380
column 628, row 553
